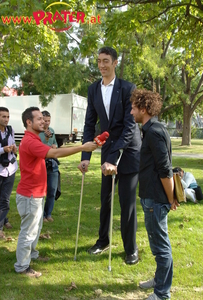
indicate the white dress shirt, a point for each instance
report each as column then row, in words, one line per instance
column 106, row 91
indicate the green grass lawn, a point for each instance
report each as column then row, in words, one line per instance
column 90, row 273
column 195, row 148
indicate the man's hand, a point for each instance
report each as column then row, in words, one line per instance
column 53, row 146
column 89, row 147
column 8, row 149
column 83, row 166
column 48, row 133
column 15, row 149
column 174, row 205
column 108, row 169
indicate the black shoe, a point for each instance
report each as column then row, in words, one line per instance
column 132, row 259
column 96, row 249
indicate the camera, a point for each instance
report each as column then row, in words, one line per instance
column 12, row 160
column 5, row 162
column 48, row 134
column 48, row 164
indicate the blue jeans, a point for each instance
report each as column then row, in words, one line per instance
column 6, row 186
column 52, row 183
column 157, row 230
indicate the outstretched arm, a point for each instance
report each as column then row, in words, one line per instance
column 62, row 152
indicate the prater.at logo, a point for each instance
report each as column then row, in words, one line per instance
column 54, row 21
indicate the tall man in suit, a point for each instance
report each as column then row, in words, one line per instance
column 109, row 100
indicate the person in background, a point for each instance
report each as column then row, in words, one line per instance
column 193, row 192
column 48, row 138
column 156, row 188
column 8, row 167
column 33, row 185
column 109, row 101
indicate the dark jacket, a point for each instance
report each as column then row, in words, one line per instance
column 155, row 161
column 123, row 132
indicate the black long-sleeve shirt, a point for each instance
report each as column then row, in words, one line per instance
column 155, row 161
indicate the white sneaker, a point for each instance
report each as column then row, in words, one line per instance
column 147, row 284
column 153, row 297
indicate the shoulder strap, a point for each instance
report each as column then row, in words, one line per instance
column 9, row 132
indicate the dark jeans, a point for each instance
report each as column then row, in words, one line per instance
column 52, row 183
column 6, row 186
column 157, row 230
column 127, row 184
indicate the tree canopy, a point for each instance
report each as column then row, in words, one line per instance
column 159, row 45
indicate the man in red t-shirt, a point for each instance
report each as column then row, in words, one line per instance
column 33, row 185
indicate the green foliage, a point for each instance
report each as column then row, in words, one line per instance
column 23, row 43
column 161, row 42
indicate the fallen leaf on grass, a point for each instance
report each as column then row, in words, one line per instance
column 71, row 287
column 9, row 239
column 98, row 292
column 44, row 236
column 190, row 264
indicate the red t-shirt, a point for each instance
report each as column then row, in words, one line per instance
column 33, row 180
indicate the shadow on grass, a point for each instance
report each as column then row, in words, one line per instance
column 129, row 291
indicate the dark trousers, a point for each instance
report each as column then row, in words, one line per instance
column 52, row 184
column 127, row 184
column 6, row 186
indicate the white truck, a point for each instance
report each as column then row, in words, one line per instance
column 67, row 114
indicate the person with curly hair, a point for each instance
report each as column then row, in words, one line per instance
column 156, row 188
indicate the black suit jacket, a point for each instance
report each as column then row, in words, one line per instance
column 123, row 131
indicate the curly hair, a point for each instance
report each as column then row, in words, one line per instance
column 151, row 101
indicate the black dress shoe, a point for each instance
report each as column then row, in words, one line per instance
column 96, row 249
column 132, row 259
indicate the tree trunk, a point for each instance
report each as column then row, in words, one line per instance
column 187, row 118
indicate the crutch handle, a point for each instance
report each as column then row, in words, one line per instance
column 121, row 153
